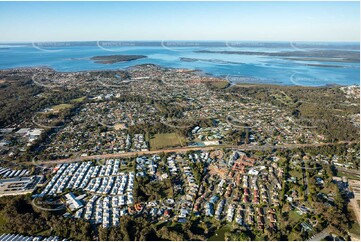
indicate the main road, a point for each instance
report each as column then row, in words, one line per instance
column 183, row 150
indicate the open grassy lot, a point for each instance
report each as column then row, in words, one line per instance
column 348, row 175
column 78, row 100
column 327, row 190
column 2, row 222
column 220, row 84
column 295, row 173
column 62, row 106
column 155, row 190
column 219, row 234
column 294, row 217
column 160, row 141
column 355, row 229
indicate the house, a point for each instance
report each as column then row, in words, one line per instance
column 319, row 181
column 73, row 203
column 292, row 179
column 34, row 134
column 209, row 209
column 213, row 142
column 167, row 213
column 183, row 213
column 306, row 226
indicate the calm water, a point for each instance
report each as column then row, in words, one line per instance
column 236, row 68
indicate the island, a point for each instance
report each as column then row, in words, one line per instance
column 186, row 59
column 111, row 59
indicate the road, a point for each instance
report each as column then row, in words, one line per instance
column 350, row 171
column 183, row 150
column 355, row 188
column 305, row 178
column 321, row 235
column 356, row 208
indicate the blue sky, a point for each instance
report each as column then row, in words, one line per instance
column 258, row 21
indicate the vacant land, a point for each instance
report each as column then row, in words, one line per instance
column 348, row 175
column 78, row 100
column 159, row 141
column 296, row 174
column 220, row 84
column 220, row 233
column 294, row 217
column 2, row 221
column 61, row 107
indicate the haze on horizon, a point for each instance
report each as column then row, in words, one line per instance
column 147, row 21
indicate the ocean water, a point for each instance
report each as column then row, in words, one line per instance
column 234, row 67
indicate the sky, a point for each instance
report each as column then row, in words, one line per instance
column 249, row 21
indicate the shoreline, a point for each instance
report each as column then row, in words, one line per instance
column 197, row 71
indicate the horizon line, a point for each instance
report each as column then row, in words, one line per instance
column 187, row 40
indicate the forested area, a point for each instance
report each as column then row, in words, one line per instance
column 21, row 217
column 152, row 191
column 21, row 99
column 140, row 229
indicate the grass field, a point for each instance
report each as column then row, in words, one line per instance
column 355, row 229
column 219, row 234
column 61, row 106
column 296, row 174
column 2, row 222
column 293, row 217
column 327, row 190
column 78, row 100
column 160, row 141
column 348, row 175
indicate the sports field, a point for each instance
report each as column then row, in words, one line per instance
column 159, row 141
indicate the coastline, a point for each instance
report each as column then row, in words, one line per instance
column 249, row 68
column 197, row 71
